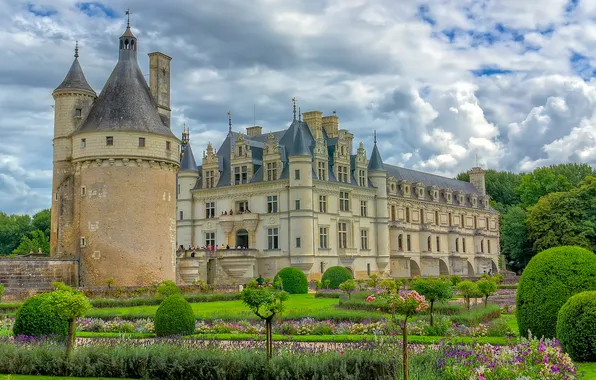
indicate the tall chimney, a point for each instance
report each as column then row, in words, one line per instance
column 159, row 83
column 314, row 122
column 477, row 179
column 331, row 125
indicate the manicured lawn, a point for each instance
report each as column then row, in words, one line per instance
column 299, row 305
column 27, row 377
column 511, row 322
column 588, row 369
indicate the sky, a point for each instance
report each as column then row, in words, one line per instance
column 447, row 84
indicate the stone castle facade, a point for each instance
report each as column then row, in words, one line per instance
column 114, row 177
column 303, row 197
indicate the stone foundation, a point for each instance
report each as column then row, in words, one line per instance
column 18, row 273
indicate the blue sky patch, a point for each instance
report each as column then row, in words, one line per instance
column 489, row 71
column 571, row 6
column 581, row 65
column 97, row 9
column 424, row 14
column 40, row 10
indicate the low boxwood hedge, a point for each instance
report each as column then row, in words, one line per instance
column 34, row 320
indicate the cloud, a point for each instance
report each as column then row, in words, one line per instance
column 508, row 84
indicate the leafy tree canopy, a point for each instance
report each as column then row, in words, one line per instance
column 13, row 228
column 514, row 237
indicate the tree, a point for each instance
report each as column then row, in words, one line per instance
column 566, row 218
column 540, row 182
column 348, row 287
column 1, row 292
column 514, row 237
column 406, row 303
column 265, row 302
column 487, row 288
column 37, row 241
column 373, row 281
column 109, row 282
column 433, row 290
column 69, row 304
column 12, row 229
column 500, row 186
column 468, row 290
column 41, row 221
column 574, row 173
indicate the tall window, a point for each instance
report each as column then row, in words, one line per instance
column 181, row 215
column 209, row 179
column 296, row 174
column 361, row 177
column 486, row 224
column 297, row 204
column 421, row 216
column 210, row 209
column 400, row 242
column 429, row 244
column 456, row 245
column 437, row 218
column 240, row 150
column 242, row 206
column 475, row 222
column 83, row 143
column 463, row 221
column 272, row 238
column 488, row 245
column 363, row 239
column 297, row 242
column 407, row 215
column 482, row 246
column 344, row 201
column 271, row 204
column 271, row 171
column 450, row 220
column 240, row 174
column 438, row 244
column 463, row 244
column 322, row 170
column 408, row 243
column 343, row 234
column 393, row 213
column 368, row 269
column 363, row 208
column 323, row 237
column 322, row 203
column 210, row 239
column 342, row 173
column 168, row 145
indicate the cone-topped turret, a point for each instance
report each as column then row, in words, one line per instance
column 299, row 147
column 75, row 78
column 376, row 162
column 125, row 103
column 188, row 159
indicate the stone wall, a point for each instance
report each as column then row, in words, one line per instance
column 18, row 274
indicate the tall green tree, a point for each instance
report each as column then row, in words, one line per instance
column 12, row 229
column 434, row 290
column 564, row 218
column 574, row 173
column 36, row 240
column 500, row 186
column 514, row 237
column 540, row 182
column 41, row 221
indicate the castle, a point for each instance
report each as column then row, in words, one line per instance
column 114, row 177
column 301, row 197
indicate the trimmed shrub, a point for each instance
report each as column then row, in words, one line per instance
column 167, row 288
column 576, row 327
column 551, row 277
column 336, row 275
column 174, row 317
column 34, row 320
column 294, row 281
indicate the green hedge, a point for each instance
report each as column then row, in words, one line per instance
column 33, row 320
column 576, row 327
column 149, row 301
column 174, row 317
column 336, row 275
column 551, row 277
column 327, row 295
column 294, row 280
column 477, row 314
column 180, row 361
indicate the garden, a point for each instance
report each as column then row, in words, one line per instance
column 423, row 328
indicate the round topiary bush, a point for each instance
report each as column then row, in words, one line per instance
column 34, row 320
column 576, row 327
column 174, row 316
column 293, row 280
column 336, row 275
column 551, row 277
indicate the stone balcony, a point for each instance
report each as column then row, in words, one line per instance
column 347, row 253
column 247, row 216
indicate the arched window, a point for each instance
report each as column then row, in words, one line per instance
column 438, row 244
column 400, row 242
column 428, row 244
column 482, row 246
column 126, row 44
column 132, row 44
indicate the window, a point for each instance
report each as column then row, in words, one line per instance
column 297, row 204
column 168, row 145
column 486, row 224
column 421, row 216
column 210, row 239
column 272, row 238
column 298, row 242
column 463, row 244
column 362, row 208
column 343, row 234
column 83, row 242
column 55, row 196
column 368, row 269
column 178, row 189
column 271, row 171
column 296, row 174
column 408, row 243
column 437, row 218
column 450, row 220
column 210, row 209
column 407, row 215
column 83, row 191
column 463, row 221
column 392, row 212
column 342, row 150
column 209, row 179
column 240, row 150
column 344, row 201
column 242, row 206
column 364, row 239
column 322, row 170
column 271, row 204
column 438, row 244
column 475, row 222
column 342, row 173
column 400, row 242
column 141, row 141
column 429, row 247
column 420, row 192
column 322, row 267
column 78, row 112
column 482, row 246
column 322, row 203
column 83, row 143
column 362, row 177
column 456, row 245
column 323, row 237
column 488, row 245
column 109, row 140
column 181, row 215
column 435, row 195
column 240, row 174
column 449, row 197
column 407, row 189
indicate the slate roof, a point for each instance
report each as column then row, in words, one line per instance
column 75, row 78
column 375, row 162
column 427, row 179
column 188, row 160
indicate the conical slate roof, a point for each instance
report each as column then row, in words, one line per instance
column 188, row 160
column 375, row 163
column 75, row 78
column 299, row 146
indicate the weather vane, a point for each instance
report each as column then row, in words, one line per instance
column 294, row 101
column 128, row 16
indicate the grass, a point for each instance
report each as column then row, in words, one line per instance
column 511, row 322
column 588, row 369
column 27, row 377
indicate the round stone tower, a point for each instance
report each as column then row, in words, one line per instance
column 125, row 162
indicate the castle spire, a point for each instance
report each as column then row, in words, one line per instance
column 75, row 78
column 128, row 42
column 375, row 162
column 229, row 122
column 299, row 114
column 294, row 101
column 76, row 49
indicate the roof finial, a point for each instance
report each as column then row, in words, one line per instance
column 299, row 114
column 128, row 18
column 294, row 101
column 333, row 112
column 230, row 121
column 375, row 136
column 76, row 49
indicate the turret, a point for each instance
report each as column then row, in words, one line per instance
column 187, row 179
column 477, row 179
column 73, row 99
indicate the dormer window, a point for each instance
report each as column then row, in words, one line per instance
column 461, row 199
column 240, row 151
column 421, row 192
column 392, row 187
column 407, row 189
column 435, row 194
column 83, row 143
